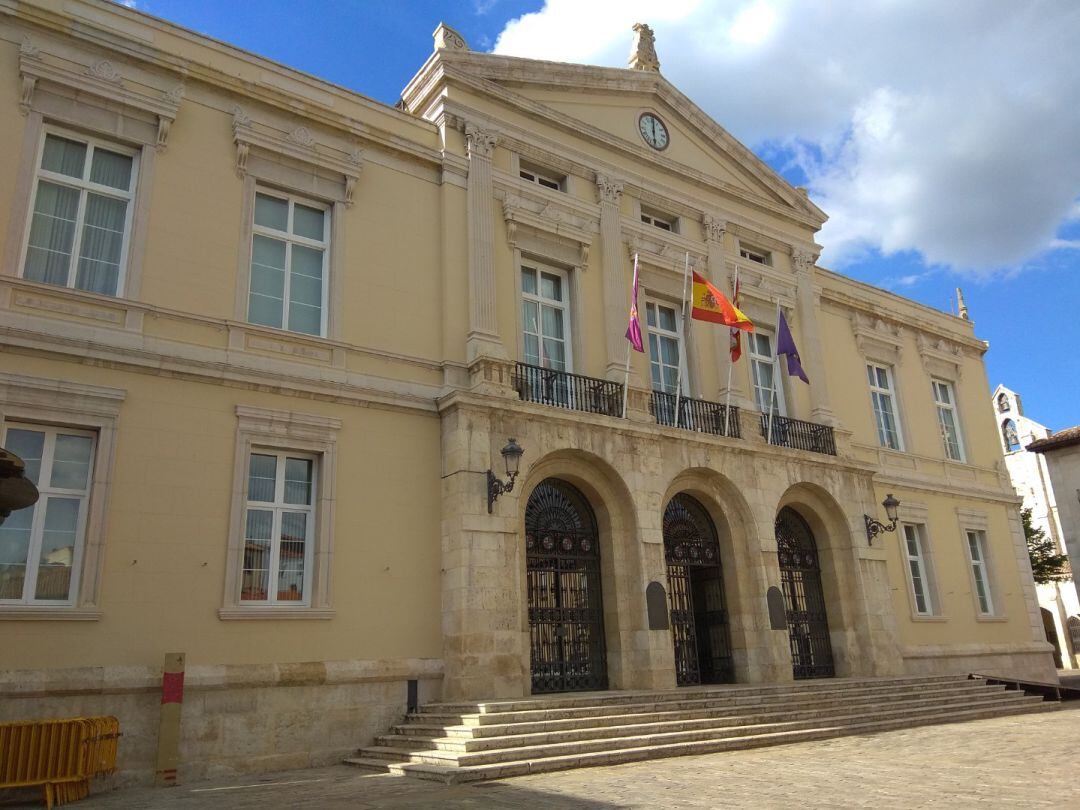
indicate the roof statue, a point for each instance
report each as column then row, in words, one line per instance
column 643, row 51
column 446, row 38
column 961, row 307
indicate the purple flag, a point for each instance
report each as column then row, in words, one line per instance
column 785, row 345
column 633, row 330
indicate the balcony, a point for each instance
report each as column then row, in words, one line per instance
column 695, row 414
column 799, row 435
column 574, row 392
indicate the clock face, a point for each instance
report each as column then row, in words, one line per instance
column 654, row 132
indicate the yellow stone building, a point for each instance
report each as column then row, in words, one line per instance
column 261, row 339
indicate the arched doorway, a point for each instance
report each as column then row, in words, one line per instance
column 800, row 576
column 699, row 619
column 566, row 614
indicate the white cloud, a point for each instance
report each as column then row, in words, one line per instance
column 951, row 129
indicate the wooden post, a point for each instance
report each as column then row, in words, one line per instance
column 172, row 697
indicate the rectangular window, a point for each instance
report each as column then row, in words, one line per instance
column 918, row 573
column 41, row 547
column 763, row 373
column 279, row 528
column 976, row 546
column 663, row 222
column 289, row 249
column 81, row 211
column 948, row 421
column 665, row 347
column 754, row 255
column 882, row 396
column 546, row 317
column 542, row 177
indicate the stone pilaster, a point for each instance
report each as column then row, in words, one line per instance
column 616, row 285
column 813, row 361
column 483, row 338
column 715, row 228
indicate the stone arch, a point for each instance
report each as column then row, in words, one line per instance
column 745, row 585
column 840, row 576
column 622, row 583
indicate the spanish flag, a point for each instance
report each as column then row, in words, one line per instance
column 709, row 304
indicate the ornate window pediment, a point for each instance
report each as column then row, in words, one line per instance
column 940, row 357
column 543, row 227
column 877, row 339
column 299, row 145
column 50, row 82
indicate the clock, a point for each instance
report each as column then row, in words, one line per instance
column 653, row 131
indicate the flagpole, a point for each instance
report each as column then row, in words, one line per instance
column 731, row 362
column 678, row 372
column 629, row 346
column 775, row 377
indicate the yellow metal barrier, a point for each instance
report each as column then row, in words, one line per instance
column 59, row 755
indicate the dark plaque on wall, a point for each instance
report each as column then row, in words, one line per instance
column 656, row 604
column 777, row 610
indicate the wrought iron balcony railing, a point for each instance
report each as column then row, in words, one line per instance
column 695, row 414
column 799, row 435
column 562, row 389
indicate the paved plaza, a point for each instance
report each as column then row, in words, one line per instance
column 1022, row 761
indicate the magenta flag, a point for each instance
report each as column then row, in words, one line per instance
column 633, row 331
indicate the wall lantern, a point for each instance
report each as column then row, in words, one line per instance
column 512, row 459
column 875, row 527
column 16, row 490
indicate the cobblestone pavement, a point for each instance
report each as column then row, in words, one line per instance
column 1026, row 761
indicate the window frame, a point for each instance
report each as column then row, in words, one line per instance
column 953, row 407
column 678, row 336
column 983, row 565
column 755, row 358
column 277, row 508
column 84, row 187
column 536, row 174
column 662, row 222
column 874, row 388
column 922, row 561
column 299, row 434
column 566, row 306
column 747, row 252
column 290, row 239
column 47, row 491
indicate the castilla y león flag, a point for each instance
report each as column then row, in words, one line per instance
column 709, row 304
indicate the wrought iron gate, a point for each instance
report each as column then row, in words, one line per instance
column 800, row 575
column 566, row 614
column 699, row 621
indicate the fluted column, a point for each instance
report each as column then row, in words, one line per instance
column 483, row 338
column 714, row 243
column 616, row 285
column 813, row 360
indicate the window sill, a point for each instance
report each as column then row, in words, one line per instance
column 916, row 617
column 36, row 613
column 991, row 618
column 256, row 613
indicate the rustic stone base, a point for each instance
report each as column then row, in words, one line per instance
column 1023, row 661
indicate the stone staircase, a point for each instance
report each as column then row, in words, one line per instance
column 462, row 742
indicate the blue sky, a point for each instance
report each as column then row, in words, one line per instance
column 944, row 142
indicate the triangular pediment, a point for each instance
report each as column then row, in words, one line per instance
column 606, row 104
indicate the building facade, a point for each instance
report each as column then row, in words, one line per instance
column 1030, row 474
column 264, row 338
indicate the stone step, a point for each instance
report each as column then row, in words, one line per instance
column 614, row 698
column 461, row 738
column 453, row 775
column 655, row 702
column 593, row 745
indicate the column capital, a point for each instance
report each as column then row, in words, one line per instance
column 481, row 142
column 803, row 260
column 714, row 228
column 608, row 189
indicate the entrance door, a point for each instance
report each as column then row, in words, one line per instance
column 699, row 621
column 566, row 612
column 800, row 575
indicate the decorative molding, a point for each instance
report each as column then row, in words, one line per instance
column 714, row 228
column 301, row 136
column 877, row 339
column 446, row 38
column 546, row 218
column 164, row 125
column 608, row 190
column 29, row 49
column 940, row 357
column 26, row 95
column 106, row 71
column 803, row 261
column 176, row 95
column 480, row 142
column 240, row 118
